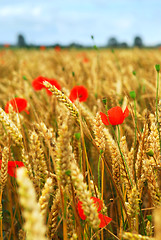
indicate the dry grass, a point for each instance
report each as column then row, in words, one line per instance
column 69, row 155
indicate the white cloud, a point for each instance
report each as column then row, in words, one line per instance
column 124, row 23
column 10, row 11
column 36, row 11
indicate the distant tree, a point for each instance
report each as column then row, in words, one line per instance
column 138, row 42
column 75, row 45
column 112, row 42
column 21, row 41
column 123, row 45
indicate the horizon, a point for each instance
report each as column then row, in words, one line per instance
column 79, row 45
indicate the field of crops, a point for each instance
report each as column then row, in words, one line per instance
column 80, row 144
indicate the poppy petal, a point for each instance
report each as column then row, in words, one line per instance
column 25, row 110
column 98, row 203
column 12, row 167
column 19, row 164
column 18, row 104
column 42, row 47
column 57, row 48
column 11, row 171
column 104, row 118
column 78, row 92
column 126, row 112
column 115, row 115
column 11, row 163
column 80, row 211
column 104, row 220
column 48, row 92
column 37, row 83
column 85, row 60
column 21, row 104
column 53, row 82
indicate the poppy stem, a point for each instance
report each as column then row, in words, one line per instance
column 99, row 176
column 122, row 156
column 135, row 141
column 133, row 96
column 1, row 216
column 157, row 67
column 118, row 132
column 135, row 121
column 125, row 163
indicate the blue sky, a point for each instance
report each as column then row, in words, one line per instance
column 66, row 21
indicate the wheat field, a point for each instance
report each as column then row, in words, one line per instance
column 65, row 174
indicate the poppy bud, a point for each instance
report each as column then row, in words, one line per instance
column 133, row 94
column 150, row 152
column 157, row 67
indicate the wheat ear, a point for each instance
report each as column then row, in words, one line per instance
column 34, row 224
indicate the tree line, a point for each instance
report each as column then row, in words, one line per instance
column 111, row 43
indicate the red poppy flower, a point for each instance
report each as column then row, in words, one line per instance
column 79, row 92
column 12, row 167
column 6, row 45
column 81, row 55
column 97, row 202
column 115, row 116
column 85, row 60
column 38, row 84
column 18, row 104
column 42, row 47
column 53, row 82
column 104, row 220
column 57, row 48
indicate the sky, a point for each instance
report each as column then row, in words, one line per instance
column 46, row 22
